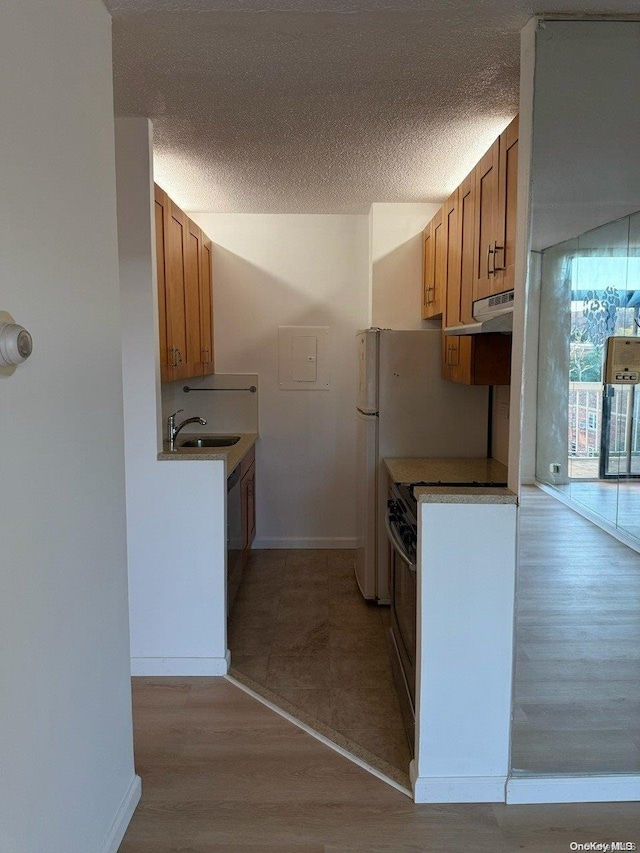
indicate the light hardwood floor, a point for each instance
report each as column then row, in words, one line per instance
column 616, row 501
column 224, row 774
column 577, row 689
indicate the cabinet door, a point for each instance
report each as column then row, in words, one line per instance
column 450, row 344
column 161, row 219
column 505, row 248
column 206, row 306
column 458, row 358
column 176, row 282
column 193, row 269
column 452, row 261
column 434, row 267
column 428, row 285
column 486, row 212
column 439, row 262
column 466, row 236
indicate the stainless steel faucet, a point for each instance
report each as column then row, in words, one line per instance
column 173, row 430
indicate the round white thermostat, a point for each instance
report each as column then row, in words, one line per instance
column 16, row 344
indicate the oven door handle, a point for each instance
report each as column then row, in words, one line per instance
column 397, row 545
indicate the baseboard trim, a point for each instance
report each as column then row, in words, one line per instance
column 573, row 789
column 123, row 817
column 459, row 789
column 319, row 542
column 180, row 666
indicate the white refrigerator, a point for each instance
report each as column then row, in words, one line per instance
column 404, row 409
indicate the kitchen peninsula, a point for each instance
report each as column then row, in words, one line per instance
column 464, row 599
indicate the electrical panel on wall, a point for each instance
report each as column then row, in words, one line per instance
column 303, row 358
column 622, row 364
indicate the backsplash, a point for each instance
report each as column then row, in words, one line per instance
column 225, row 411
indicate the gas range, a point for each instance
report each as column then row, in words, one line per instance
column 403, row 506
column 403, row 515
column 405, row 490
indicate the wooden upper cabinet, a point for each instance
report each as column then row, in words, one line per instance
column 206, row 305
column 507, row 208
column 459, row 219
column 452, row 261
column 479, row 223
column 176, row 275
column 185, row 297
column 193, row 272
column 486, row 218
column 428, row 284
column 434, row 267
column 466, row 235
column 161, row 217
column 469, row 254
column 495, row 182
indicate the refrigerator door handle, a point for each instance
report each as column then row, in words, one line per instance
column 397, row 545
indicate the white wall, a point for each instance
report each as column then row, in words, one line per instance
column 584, row 168
column 225, row 411
column 67, row 781
column 307, row 270
column 396, row 263
column 176, row 509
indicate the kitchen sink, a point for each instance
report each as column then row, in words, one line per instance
column 218, row 441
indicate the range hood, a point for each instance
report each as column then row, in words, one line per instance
column 492, row 314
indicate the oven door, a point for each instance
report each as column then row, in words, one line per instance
column 403, row 605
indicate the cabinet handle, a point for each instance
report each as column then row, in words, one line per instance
column 178, row 357
column 205, row 353
column 490, row 270
column 172, row 360
column 497, row 249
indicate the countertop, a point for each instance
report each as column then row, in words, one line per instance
column 232, row 455
column 464, row 495
column 421, row 470
column 416, row 470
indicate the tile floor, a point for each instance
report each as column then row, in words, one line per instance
column 301, row 631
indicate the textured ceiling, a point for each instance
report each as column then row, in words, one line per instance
column 299, row 106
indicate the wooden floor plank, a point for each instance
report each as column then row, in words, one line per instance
column 577, row 688
column 224, row 774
